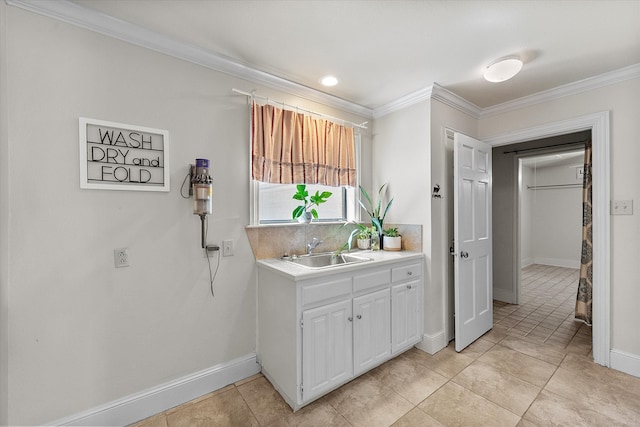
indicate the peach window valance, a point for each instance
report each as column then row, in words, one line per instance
column 288, row 147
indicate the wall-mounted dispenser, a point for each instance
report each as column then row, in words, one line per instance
column 202, row 190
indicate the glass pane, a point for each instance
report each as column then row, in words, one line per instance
column 276, row 202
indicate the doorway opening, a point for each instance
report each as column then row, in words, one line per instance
column 576, row 132
column 546, row 241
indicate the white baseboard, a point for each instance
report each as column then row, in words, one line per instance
column 525, row 262
column 625, row 362
column 142, row 405
column 558, row 262
column 433, row 343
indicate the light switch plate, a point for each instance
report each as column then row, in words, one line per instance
column 622, row 207
column 227, row 248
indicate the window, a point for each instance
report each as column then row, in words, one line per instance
column 273, row 203
column 276, row 203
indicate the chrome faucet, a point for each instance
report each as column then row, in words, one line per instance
column 312, row 245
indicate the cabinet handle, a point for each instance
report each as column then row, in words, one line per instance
column 350, row 319
column 408, row 286
column 359, row 316
column 409, row 273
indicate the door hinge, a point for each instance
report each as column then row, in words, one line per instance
column 301, row 323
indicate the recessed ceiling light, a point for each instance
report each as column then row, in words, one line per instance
column 329, row 81
column 503, row 69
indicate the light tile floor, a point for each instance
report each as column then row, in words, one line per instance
column 534, row 368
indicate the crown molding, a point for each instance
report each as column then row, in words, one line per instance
column 107, row 25
column 574, row 88
column 441, row 94
column 434, row 91
column 455, row 101
column 404, row 102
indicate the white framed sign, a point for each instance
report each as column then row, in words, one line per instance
column 117, row 156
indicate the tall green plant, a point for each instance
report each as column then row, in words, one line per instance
column 374, row 209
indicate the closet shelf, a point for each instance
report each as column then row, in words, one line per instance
column 553, row 186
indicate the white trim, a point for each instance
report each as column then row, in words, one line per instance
column 526, row 262
column 404, row 102
column 625, row 362
column 623, row 74
column 433, row 343
column 600, row 135
column 104, row 24
column 550, row 129
column 144, row 404
column 455, row 101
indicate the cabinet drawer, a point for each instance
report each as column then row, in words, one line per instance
column 411, row 271
column 372, row 280
column 326, row 291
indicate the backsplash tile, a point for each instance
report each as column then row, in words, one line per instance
column 272, row 241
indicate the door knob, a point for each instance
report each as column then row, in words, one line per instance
column 464, row 254
column 359, row 316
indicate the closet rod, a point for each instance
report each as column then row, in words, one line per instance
column 524, row 150
column 544, row 187
column 326, row 116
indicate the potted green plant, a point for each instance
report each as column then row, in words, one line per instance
column 392, row 239
column 363, row 238
column 362, row 234
column 305, row 212
column 375, row 211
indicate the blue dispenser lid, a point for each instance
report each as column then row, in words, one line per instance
column 202, row 163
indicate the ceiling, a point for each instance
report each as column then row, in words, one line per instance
column 382, row 51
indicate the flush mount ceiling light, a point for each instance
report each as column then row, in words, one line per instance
column 503, row 69
column 329, row 81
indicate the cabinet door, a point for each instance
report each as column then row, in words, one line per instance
column 327, row 357
column 371, row 330
column 406, row 315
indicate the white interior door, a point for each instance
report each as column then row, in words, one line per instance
column 473, row 287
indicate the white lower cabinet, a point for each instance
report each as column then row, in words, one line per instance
column 326, row 347
column 371, row 330
column 315, row 334
column 406, row 315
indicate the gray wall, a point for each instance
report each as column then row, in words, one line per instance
column 554, row 215
column 76, row 332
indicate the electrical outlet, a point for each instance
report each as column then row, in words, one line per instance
column 622, row 207
column 121, row 257
column 227, row 248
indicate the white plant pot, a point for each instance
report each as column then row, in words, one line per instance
column 305, row 218
column 392, row 243
column 364, row 243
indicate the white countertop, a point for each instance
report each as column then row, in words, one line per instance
column 297, row 272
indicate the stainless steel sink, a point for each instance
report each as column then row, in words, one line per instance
column 325, row 260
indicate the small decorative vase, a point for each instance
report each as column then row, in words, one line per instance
column 392, row 243
column 375, row 242
column 364, row 243
column 305, row 218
